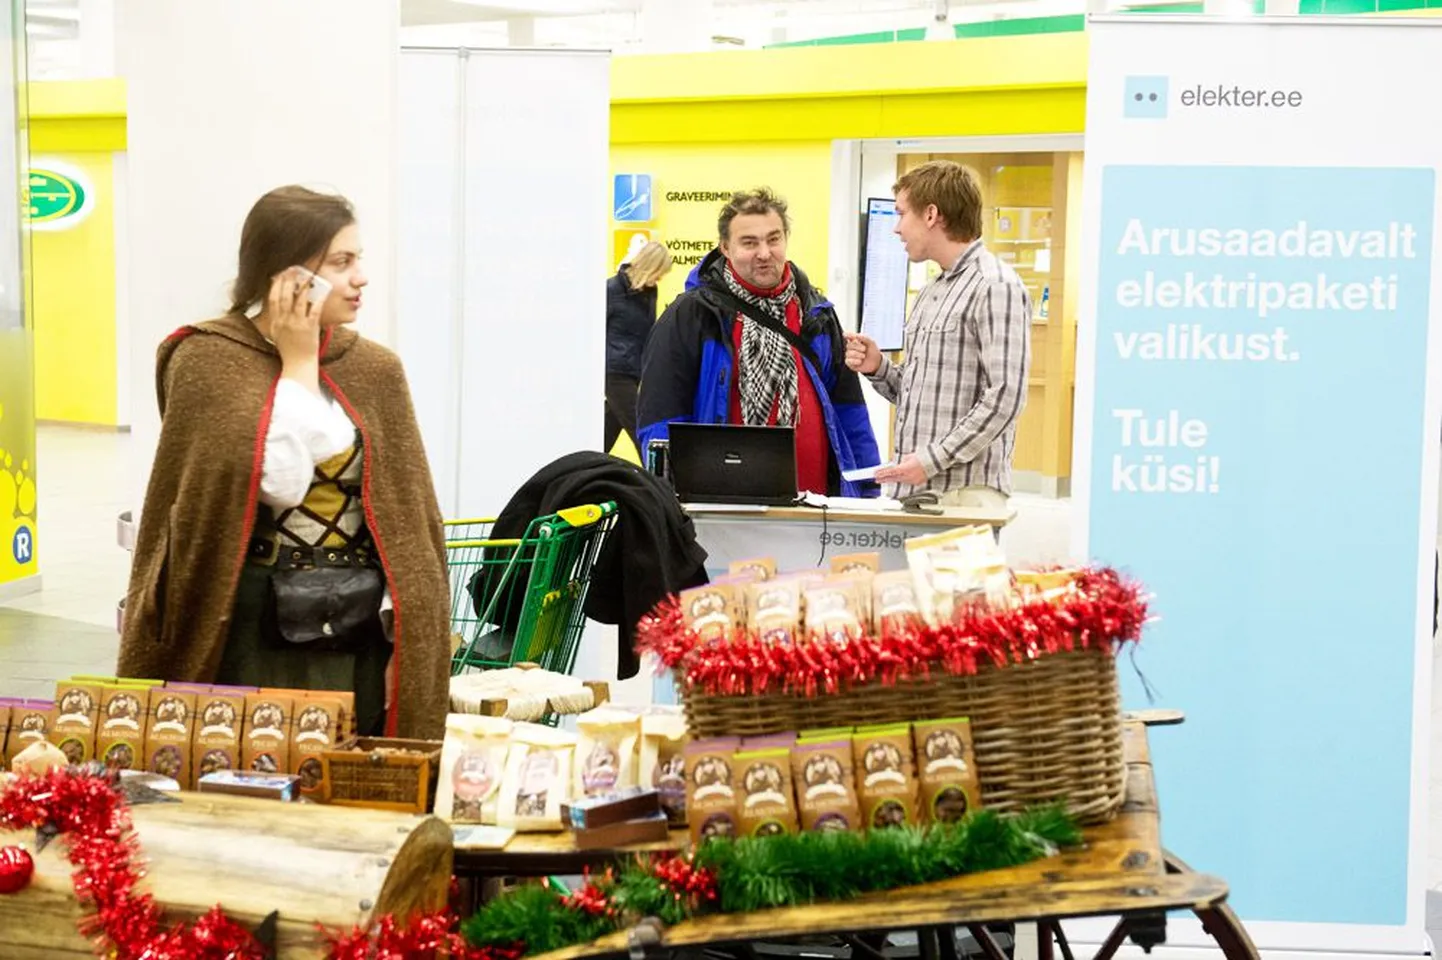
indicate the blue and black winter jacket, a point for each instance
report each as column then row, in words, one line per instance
column 690, row 361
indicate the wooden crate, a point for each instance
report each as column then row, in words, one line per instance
column 382, row 774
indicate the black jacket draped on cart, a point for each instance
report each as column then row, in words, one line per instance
column 651, row 553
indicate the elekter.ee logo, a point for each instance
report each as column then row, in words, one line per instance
column 1145, row 98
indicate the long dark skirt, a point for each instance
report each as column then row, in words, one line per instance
column 251, row 659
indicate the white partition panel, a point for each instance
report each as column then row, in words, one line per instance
column 429, row 252
column 503, row 261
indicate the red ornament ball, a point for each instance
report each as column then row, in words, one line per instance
column 16, row 869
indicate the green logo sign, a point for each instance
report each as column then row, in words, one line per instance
column 51, row 196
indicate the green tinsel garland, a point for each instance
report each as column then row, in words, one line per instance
column 760, row 873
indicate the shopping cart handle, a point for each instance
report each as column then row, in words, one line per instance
column 584, row 516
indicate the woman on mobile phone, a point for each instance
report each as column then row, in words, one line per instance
column 290, row 536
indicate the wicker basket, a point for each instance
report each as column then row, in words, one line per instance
column 369, row 772
column 1045, row 731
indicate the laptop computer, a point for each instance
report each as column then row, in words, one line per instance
column 724, row 463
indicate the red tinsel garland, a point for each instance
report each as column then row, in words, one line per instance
column 1101, row 613
column 93, row 821
column 687, row 882
column 592, row 898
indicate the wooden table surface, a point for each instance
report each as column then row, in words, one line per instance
column 1120, row 869
column 543, row 854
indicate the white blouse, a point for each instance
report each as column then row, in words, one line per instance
column 305, row 429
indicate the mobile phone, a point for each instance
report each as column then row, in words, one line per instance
column 320, row 287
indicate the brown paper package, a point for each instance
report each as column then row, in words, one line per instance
column 215, row 743
column 885, row 777
column 266, row 738
column 824, row 774
column 124, row 713
column 314, row 729
column 72, row 724
column 710, row 788
column 946, row 766
column 169, row 732
column 28, row 724
column 766, row 805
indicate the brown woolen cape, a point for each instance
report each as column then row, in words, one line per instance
column 216, row 385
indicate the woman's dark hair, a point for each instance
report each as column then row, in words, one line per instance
column 289, row 226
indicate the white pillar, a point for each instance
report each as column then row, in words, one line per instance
column 226, row 101
column 675, row 26
column 1227, row 8
column 96, row 40
column 521, row 31
column 939, row 25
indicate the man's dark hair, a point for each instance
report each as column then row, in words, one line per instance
column 759, row 200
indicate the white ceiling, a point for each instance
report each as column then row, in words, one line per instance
column 620, row 25
column 58, row 28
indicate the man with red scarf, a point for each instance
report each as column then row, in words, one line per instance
column 753, row 342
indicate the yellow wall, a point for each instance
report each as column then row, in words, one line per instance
column 799, row 172
column 995, row 86
column 77, row 126
column 72, row 286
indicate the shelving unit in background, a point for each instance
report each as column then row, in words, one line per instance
column 1032, row 204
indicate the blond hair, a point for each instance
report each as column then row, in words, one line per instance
column 952, row 189
column 648, row 266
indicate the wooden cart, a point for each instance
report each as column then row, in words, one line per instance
column 1121, row 870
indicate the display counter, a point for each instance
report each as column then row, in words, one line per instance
column 800, row 537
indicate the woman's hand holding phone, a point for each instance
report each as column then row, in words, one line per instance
column 295, row 326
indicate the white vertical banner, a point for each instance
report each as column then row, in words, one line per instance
column 1256, row 441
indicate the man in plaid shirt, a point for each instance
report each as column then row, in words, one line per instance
column 962, row 386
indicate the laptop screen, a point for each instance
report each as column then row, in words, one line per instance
column 724, row 463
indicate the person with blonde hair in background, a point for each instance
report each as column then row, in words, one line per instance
column 630, row 316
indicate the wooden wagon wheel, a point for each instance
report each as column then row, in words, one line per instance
column 1219, row 921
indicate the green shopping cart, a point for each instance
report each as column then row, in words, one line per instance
column 523, row 600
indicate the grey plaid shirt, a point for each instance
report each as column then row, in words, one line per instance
column 962, row 387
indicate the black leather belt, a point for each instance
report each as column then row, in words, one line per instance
column 267, row 552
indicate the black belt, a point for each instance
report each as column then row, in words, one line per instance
column 267, row 552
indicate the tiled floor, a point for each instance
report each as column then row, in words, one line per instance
column 36, row 649
column 84, row 477
column 69, row 627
